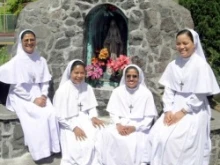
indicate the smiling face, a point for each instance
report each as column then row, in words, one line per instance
column 131, row 77
column 185, row 45
column 28, row 43
column 78, row 74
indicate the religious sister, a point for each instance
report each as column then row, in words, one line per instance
column 132, row 109
column 181, row 134
column 28, row 76
column 75, row 104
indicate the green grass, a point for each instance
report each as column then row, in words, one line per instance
column 4, row 56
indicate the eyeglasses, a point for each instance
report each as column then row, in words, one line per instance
column 133, row 76
column 29, row 40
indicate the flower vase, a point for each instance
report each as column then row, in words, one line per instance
column 94, row 82
column 116, row 77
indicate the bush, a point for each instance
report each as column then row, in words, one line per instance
column 4, row 56
column 15, row 6
column 206, row 17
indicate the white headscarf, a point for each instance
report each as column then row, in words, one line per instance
column 67, row 72
column 24, row 67
column 69, row 95
column 197, row 43
column 140, row 72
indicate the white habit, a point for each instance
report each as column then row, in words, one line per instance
column 188, row 82
column 129, row 107
column 75, row 106
column 29, row 78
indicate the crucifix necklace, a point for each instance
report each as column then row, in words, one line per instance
column 181, row 85
column 131, row 107
column 80, row 106
column 183, row 73
column 130, row 96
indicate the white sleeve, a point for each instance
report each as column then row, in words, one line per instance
column 60, row 103
column 145, row 124
column 68, row 124
column 168, row 98
column 194, row 102
column 93, row 113
column 115, row 118
column 44, row 88
column 21, row 92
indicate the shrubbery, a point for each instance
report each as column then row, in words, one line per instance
column 4, row 56
column 15, row 6
column 206, row 17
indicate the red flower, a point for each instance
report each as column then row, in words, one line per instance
column 119, row 64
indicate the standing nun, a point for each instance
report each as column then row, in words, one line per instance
column 75, row 104
column 28, row 76
column 181, row 134
column 132, row 110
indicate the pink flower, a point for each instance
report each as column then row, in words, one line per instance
column 119, row 64
column 94, row 71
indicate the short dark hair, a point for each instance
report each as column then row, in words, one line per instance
column 187, row 32
column 131, row 67
column 76, row 63
column 27, row 32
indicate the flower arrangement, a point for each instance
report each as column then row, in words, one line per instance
column 117, row 67
column 94, row 71
column 102, row 65
column 103, row 55
column 119, row 63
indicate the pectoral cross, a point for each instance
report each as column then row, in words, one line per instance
column 80, row 106
column 181, row 86
column 131, row 107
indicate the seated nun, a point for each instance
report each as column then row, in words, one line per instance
column 75, row 105
column 181, row 136
column 132, row 110
column 28, row 75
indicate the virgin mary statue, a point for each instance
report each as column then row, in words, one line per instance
column 113, row 41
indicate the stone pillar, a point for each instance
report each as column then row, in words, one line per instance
column 11, row 135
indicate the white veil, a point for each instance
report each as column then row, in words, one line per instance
column 66, row 73
column 197, row 43
column 141, row 75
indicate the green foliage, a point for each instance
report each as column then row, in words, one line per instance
column 206, row 17
column 4, row 56
column 15, row 6
column 4, row 10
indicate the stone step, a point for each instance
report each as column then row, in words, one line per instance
column 26, row 159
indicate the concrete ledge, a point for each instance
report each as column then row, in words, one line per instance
column 215, row 123
column 26, row 159
column 5, row 114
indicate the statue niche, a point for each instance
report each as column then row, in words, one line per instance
column 106, row 27
column 113, row 41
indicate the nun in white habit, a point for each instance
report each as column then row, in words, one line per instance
column 132, row 110
column 28, row 76
column 181, row 134
column 75, row 105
